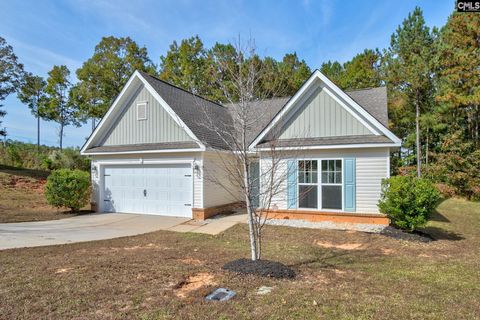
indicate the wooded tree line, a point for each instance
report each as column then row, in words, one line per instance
column 432, row 77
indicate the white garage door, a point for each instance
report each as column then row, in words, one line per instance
column 150, row 189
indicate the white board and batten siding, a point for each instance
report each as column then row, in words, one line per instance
column 322, row 116
column 152, row 125
column 372, row 165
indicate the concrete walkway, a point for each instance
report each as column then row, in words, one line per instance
column 103, row 226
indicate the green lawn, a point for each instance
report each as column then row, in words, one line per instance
column 165, row 275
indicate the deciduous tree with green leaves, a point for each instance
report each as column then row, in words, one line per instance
column 185, row 65
column 57, row 105
column 32, row 93
column 102, row 77
column 363, row 71
column 11, row 75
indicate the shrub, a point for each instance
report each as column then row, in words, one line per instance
column 68, row 188
column 29, row 156
column 408, row 201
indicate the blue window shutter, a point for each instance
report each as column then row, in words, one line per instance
column 292, row 184
column 255, row 183
column 349, row 188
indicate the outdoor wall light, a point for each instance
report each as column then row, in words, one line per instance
column 94, row 171
column 196, row 169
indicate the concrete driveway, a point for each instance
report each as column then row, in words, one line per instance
column 105, row 226
column 82, row 228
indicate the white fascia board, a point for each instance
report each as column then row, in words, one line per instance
column 152, row 91
column 284, row 110
column 329, row 85
column 336, row 146
column 107, row 115
column 357, row 107
column 142, row 152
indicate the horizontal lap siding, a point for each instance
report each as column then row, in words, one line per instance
column 371, row 168
column 218, row 188
column 370, row 172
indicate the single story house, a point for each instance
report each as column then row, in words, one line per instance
column 150, row 153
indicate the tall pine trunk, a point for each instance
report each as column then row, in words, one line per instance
column 417, row 129
column 61, row 136
column 38, row 130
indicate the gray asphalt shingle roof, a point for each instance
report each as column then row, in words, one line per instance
column 196, row 112
column 201, row 116
column 144, row 147
column 326, row 141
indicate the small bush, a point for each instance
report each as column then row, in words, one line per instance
column 408, row 201
column 68, row 188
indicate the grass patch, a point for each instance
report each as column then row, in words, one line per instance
column 139, row 277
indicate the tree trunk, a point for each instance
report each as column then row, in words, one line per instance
column 477, row 126
column 38, row 130
column 250, row 213
column 93, row 124
column 426, row 154
column 417, row 129
column 61, row 136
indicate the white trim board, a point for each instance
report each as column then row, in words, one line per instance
column 116, row 104
column 142, row 151
column 333, row 90
column 336, row 146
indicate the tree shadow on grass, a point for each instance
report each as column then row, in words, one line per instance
column 31, row 173
column 438, row 217
column 441, row 234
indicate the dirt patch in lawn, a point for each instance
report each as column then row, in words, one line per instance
column 343, row 246
column 192, row 262
column 193, row 283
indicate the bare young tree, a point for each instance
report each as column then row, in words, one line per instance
column 240, row 173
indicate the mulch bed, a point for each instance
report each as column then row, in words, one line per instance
column 398, row 234
column 264, row 268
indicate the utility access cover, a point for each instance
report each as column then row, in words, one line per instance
column 220, row 294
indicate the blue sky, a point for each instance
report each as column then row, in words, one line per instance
column 44, row 33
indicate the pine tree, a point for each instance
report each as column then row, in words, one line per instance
column 11, row 75
column 32, row 93
column 409, row 69
column 57, row 105
column 458, row 74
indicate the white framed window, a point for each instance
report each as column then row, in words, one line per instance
column 308, row 184
column 320, row 184
column 142, row 111
column 332, row 184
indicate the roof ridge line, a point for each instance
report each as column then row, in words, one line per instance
column 182, row 89
column 364, row 89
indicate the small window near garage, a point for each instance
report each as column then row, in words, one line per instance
column 142, row 111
